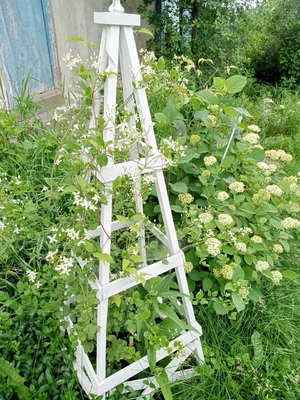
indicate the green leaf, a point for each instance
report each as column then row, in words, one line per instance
column 104, row 257
column 179, row 187
column 257, row 155
column 207, row 284
column 202, row 115
column 161, row 63
column 90, row 247
column 195, row 275
column 151, row 353
column 242, row 111
column 219, row 308
column 161, row 118
column 117, row 300
column 275, row 223
column 170, row 313
column 102, row 160
column 235, row 84
column 177, row 209
column 258, row 349
column 207, row 96
column 227, row 161
column 289, row 274
column 219, row 83
column 76, row 39
column 145, row 31
column 163, row 382
column 238, row 273
column 81, row 182
column 238, row 302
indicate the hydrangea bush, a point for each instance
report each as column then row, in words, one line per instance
column 235, row 215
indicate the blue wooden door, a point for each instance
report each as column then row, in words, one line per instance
column 27, row 45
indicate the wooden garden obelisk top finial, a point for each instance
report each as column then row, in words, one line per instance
column 116, row 7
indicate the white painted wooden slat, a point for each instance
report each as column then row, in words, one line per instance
column 107, row 18
column 142, row 364
column 132, row 168
column 148, row 272
column 110, row 94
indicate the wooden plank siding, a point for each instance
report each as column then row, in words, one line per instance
column 27, row 44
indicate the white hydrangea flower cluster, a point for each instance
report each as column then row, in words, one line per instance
column 227, row 271
column 292, row 179
column 243, row 292
column 186, row 198
column 237, row 187
column 209, row 160
column 254, row 128
column 275, row 190
column 294, row 207
column 290, row 223
column 279, row 155
column 240, row 246
column 222, row 196
column 267, row 168
column 256, row 239
column 213, row 246
column 277, row 248
column 251, row 138
column 188, row 267
column 225, row 219
column 276, row 276
column 204, row 218
column 260, row 196
column 262, row 266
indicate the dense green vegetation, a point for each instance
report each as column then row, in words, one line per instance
column 250, row 316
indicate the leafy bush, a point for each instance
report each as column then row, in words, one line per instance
column 49, row 205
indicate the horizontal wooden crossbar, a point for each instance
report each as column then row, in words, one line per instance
column 131, row 370
column 144, row 165
column 148, row 272
column 119, row 19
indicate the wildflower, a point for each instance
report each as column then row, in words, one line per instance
column 148, row 179
column 274, row 190
column 251, row 138
column 262, row 266
column 245, row 231
column 209, row 160
column 72, row 234
column 276, row 276
column 225, row 219
column 240, row 246
column 60, row 189
column 277, row 248
column 205, row 218
column 2, row 226
column 38, row 284
column 254, row 128
column 17, row 230
column 50, row 255
column 222, row 196
column 31, row 275
column 52, row 239
column 213, row 246
column 256, row 239
column 186, row 198
column 212, row 119
column 290, row 223
column 188, row 267
column 65, row 265
column 237, row 187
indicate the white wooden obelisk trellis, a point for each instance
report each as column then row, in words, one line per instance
column 118, row 46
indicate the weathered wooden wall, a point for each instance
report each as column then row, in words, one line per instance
column 75, row 18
